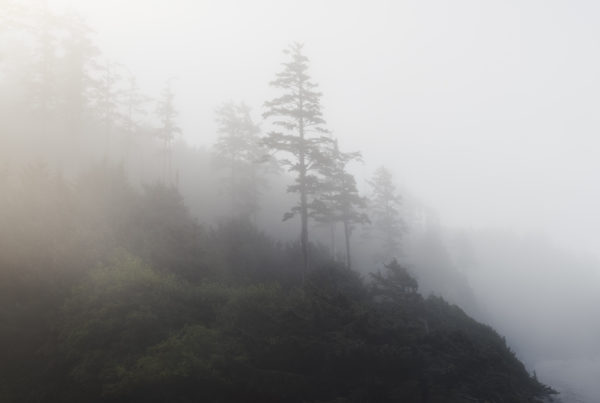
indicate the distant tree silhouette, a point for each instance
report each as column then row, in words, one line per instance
column 79, row 64
column 384, row 211
column 339, row 200
column 298, row 117
column 239, row 151
column 395, row 283
column 108, row 98
column 44, row 75
column 167, row 114
column 133, row 110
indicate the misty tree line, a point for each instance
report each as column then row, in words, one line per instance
column 113, row 292
column 71, row 97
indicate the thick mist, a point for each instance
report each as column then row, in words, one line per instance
column 483, row 114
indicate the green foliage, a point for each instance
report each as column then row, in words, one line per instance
column 115, row 314
column 163, row 232
column 397, row 282
column 193, row 363
column 110, row 293
column 148, row 306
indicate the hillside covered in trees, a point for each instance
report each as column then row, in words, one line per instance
column 135, row 268
column 130, row 299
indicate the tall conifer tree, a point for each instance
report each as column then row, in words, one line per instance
column 299, row 133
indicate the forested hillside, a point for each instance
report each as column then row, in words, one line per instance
column 130, row 299
column 135, row 268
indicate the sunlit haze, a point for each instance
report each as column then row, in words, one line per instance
column 482, row 116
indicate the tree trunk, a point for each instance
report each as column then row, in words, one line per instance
column 304, row 232
column 333, row 249
column 347, row 234
column 303, row 201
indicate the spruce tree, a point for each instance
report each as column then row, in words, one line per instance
column 299, row 133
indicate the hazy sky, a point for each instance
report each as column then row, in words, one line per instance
column 487, row 111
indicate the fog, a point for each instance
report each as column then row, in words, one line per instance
column 439, row 89
column 484, row 112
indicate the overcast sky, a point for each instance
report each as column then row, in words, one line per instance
column 487, row 111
